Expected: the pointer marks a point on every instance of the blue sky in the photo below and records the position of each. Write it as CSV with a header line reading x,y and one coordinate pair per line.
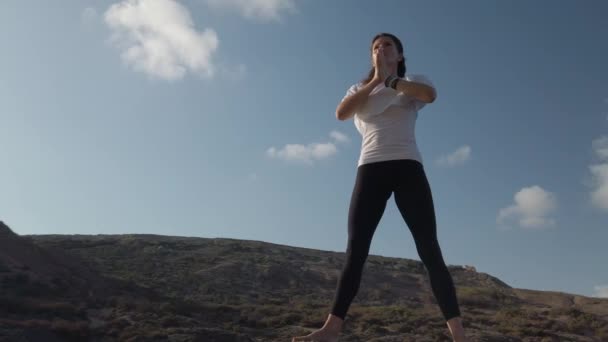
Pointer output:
x,y
216,119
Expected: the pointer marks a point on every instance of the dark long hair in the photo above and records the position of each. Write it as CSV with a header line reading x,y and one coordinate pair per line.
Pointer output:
x,y
400,67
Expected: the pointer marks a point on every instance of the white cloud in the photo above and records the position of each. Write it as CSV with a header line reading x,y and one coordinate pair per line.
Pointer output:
x,y
157,37
458,157
599,173
601,291
532,208
308,154
339,137
600,147
255,9
304,154
89,15
599,196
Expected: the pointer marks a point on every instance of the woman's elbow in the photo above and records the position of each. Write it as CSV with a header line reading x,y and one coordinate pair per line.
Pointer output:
x,y
341,114
430,96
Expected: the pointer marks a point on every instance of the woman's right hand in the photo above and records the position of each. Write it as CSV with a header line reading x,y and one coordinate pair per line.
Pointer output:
x,y
381,70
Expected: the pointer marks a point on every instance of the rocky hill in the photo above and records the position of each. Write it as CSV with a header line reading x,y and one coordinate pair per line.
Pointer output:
x,y
163,288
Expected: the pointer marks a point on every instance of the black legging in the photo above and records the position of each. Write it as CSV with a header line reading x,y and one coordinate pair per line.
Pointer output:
x,y
373,187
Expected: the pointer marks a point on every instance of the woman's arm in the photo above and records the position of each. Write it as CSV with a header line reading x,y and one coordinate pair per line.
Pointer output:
x,y
349,106
421,92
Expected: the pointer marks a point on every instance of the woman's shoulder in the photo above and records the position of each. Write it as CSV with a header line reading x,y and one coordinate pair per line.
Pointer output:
x,y
354,88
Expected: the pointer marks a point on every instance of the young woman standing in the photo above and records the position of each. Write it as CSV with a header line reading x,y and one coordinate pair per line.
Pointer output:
x,y
385,107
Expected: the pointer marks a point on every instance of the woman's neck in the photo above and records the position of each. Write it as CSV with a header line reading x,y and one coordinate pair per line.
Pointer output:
x,y
393,69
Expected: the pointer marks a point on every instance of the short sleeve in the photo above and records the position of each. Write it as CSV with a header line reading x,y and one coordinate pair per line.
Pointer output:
x,y
353,89
422,79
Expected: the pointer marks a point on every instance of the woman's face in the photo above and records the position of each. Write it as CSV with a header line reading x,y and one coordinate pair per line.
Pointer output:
x,y
390,49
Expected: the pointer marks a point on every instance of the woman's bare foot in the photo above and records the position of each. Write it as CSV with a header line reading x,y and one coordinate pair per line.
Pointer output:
x,y
328,333
456,329
321,335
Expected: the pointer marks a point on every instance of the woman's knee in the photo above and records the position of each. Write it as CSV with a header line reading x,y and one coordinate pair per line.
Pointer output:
x,y
358,248
432,257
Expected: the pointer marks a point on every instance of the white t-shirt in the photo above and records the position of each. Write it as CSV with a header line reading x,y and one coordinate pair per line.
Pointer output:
x,y
387,123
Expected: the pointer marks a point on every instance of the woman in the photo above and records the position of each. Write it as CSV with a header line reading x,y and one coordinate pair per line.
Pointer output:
x,y
385,107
